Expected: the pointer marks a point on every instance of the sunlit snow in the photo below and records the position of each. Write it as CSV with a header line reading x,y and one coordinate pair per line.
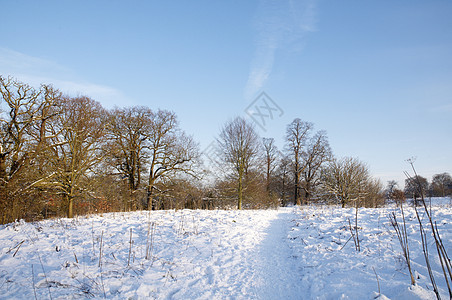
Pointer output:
x,y
289,253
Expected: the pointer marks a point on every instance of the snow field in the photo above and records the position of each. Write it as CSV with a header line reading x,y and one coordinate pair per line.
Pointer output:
x,y
290,253
333,269
195,254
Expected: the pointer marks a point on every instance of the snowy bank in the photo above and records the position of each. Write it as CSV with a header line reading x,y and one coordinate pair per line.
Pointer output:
x,y
290,253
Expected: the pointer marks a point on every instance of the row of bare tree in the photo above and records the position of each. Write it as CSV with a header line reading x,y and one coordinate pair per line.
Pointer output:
x,y
304,171
55,150
441,186
63,155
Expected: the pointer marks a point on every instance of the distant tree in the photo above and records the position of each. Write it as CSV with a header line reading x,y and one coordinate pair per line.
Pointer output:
x,y
349,182
283,179
239,147
442,184
373,194
390,188
398,195
317,153
128,146
171,152
77,140
393,193
297,134
179,193
415,187
270,158
112,191
23,137
255,194
224,193
286,179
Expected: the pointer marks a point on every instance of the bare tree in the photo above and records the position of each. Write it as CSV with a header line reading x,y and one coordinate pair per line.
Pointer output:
x,y
296,138
346,180
239,145
284,178
22,136
128,147
390,188
271,155
171,151
318,152
77,139
179,193
373,193
412,187
442,184
444,259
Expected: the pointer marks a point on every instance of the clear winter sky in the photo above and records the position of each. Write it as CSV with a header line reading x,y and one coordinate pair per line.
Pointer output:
x,y
376,75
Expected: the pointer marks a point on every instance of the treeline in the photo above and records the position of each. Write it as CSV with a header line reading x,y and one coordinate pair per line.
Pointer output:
x,y
305,171
418,186
61,156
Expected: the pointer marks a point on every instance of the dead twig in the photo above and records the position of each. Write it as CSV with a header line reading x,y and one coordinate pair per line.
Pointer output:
x,y
378,282
353,235
100,249
346,242
17,246
442,253
130,247
403,240
33,281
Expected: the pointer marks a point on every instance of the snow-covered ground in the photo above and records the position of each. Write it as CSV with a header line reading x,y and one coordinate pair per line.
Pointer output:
x,y
289,253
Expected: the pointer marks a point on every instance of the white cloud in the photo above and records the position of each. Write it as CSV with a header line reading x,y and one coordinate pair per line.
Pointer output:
x,y
36,71
13,62
260,71
280,25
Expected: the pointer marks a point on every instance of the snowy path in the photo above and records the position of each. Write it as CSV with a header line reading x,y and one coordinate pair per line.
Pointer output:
x,y
249,260
279,272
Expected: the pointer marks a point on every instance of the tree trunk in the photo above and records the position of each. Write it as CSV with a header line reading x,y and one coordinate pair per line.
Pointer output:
x,y
268,176
240,191
149,203
70,206
3,167
297,182
297,200
284,191
307,191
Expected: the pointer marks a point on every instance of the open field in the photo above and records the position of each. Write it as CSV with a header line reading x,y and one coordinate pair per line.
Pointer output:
x,y
289,253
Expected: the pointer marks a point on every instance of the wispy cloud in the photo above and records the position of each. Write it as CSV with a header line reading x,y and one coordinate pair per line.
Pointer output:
x,y
36,71
12,62
279,25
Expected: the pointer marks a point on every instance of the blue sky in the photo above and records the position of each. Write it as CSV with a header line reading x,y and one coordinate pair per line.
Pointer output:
x,y
376,75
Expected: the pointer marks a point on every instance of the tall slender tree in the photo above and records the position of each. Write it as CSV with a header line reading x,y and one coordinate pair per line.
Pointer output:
x,y
270,158
297,134
283,175
239,145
